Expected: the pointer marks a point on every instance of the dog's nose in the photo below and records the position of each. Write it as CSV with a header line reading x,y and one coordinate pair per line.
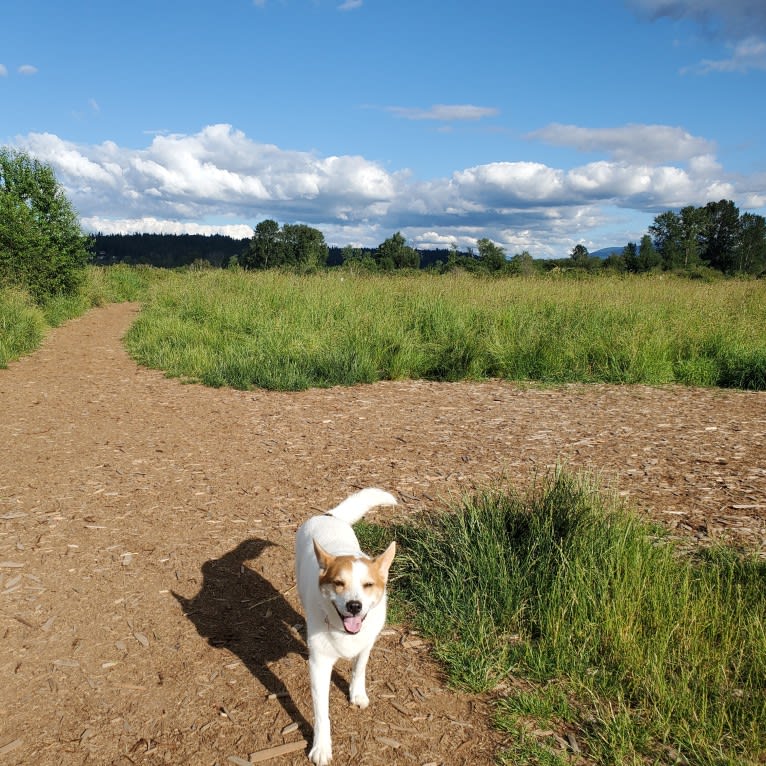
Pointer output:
x,y
354,607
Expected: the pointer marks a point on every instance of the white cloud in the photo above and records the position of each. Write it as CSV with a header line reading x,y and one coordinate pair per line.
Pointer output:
x,y
350,5
3,70
629,143
27,69
444,112
185,183
748,54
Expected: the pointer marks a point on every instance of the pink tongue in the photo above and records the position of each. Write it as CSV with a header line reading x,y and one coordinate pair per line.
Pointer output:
x,y
352,624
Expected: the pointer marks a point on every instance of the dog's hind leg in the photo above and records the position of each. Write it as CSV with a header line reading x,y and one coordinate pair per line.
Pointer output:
x,y
320,672
357,691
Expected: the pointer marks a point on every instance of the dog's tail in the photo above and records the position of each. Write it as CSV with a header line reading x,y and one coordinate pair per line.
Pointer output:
x,y
353,508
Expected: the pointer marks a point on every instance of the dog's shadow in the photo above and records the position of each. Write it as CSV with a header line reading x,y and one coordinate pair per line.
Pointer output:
x,y
240,610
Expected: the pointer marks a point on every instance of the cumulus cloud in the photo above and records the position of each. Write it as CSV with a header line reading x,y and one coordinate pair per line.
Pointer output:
x,y
27,69
3,70
350,5
444,112
219,180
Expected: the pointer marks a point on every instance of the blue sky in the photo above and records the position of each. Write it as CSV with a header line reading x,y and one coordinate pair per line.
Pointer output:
x,y
539,125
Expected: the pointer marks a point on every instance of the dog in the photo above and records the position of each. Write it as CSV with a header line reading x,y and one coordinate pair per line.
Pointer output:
x,y
343,592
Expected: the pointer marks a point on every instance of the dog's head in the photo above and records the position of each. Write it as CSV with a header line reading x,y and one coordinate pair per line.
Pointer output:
x,y
353,584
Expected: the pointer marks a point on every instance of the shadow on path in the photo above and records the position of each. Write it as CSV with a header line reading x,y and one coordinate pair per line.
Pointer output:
x,y
240,610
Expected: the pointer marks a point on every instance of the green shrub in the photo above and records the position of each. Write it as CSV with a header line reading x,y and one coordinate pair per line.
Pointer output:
x,y
42,249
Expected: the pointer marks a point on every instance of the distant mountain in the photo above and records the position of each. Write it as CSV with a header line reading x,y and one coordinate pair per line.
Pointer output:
x,y
605,252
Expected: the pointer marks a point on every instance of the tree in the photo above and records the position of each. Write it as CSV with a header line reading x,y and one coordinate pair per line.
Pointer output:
x,y
491,256
580,255
264,250
694,225
648,257
304,248
667,236
630,256
42,248
522,264
750,248
721,235
394,253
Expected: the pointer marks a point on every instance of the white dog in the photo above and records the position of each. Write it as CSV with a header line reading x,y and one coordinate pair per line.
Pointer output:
x,y
343,593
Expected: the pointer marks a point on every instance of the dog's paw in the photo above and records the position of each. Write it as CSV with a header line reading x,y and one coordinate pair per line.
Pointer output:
x,y
321,753
360,699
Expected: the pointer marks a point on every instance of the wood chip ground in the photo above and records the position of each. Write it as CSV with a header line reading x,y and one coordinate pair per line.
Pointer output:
x,y
147,607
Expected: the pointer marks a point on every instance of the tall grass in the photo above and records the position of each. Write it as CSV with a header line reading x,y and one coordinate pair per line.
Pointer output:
x,y
22,325
284,331
647,655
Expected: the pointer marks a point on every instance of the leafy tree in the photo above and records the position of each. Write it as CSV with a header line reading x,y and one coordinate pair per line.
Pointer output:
x,y
721,235
630,257
394,253
523,264
304,248
750,248
694,226
580,255
265,248
668,239
491,256
42,248
648,257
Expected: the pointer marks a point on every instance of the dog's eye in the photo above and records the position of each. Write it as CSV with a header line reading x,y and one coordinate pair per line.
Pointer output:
x,y
338,583
368,585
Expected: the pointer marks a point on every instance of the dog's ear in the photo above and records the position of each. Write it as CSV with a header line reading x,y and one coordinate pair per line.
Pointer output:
x,y
323,557
383,562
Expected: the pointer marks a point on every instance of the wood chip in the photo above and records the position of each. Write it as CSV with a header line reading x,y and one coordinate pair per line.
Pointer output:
x,y
290,728
275,752
235,759
66,663
388,742
12,745
10,564
141,638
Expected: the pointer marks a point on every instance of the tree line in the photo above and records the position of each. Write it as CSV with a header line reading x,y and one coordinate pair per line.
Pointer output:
x,y
695,240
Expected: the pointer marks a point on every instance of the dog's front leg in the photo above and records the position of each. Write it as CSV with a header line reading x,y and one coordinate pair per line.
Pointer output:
x,y
320,672
357,691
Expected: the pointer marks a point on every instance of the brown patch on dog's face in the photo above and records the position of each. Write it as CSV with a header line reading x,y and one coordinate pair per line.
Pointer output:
x,y
353,584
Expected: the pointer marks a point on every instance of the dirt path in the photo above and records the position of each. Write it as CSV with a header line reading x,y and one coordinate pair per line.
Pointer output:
x,y
147,609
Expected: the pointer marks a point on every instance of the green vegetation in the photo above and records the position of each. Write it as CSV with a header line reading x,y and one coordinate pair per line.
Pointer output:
x,y
284,331
41,247
587,621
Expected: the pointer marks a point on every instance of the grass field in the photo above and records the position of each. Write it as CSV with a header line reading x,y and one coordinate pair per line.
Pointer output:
x,y
283,331
589,625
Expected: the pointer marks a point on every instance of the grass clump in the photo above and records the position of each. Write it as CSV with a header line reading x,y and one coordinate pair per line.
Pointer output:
x,y
22,325
603,627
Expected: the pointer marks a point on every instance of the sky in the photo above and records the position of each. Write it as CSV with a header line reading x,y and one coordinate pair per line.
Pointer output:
x,y
538,125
